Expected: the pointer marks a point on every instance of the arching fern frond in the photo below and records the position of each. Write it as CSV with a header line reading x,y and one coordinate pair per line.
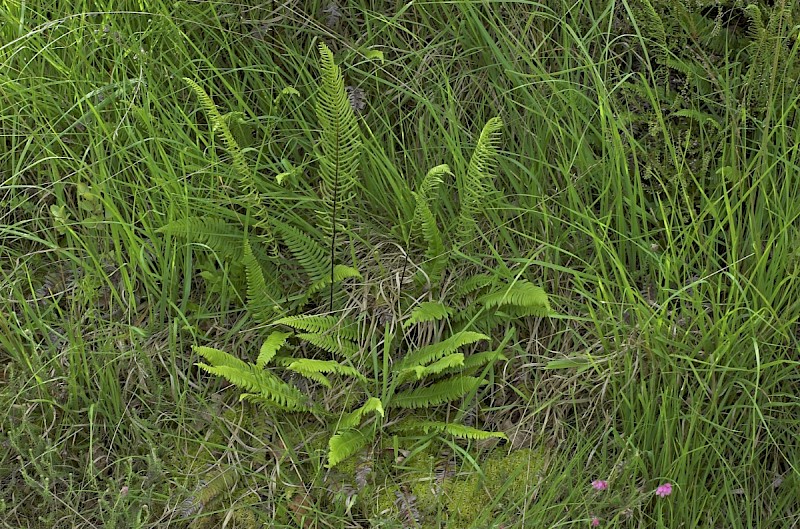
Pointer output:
x,y
322,324
270,348
260,383
456,430
340,273
474,186
438,393
434,351
428,311
353,419
218,358
219,125
308,367
223,237
309,253
331,343
527,298
345,443
451,361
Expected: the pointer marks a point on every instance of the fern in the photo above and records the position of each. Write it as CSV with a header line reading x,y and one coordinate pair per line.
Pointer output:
x,y
220,236
339,145
312,368
219,125
474,187
345,443
451,361
321,324
528,298
425,221
428,311
340,273
270,348
332,344
353,419
438,393
262,299
456,430
308,252
251,378
432,352
207,491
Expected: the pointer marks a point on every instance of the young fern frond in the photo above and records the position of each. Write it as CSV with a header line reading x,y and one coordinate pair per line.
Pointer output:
x,y
428,311
474,186
218,358
438,393
424,219
450,361
345,443
456,430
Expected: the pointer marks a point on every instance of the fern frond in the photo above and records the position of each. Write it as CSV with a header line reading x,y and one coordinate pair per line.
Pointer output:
x,y
474,361
339,145
223,237
307,367
309,253
219,125
262,299
270,348
345,443
208,491
475,282
474,187
438,393
332,344
217,358
259,382
353,419
322,324
523,295
454,360
434,351
436,255
428,311
456,430
340,273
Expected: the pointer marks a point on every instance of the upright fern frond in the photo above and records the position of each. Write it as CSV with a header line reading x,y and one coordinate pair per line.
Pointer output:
x,y
474,186
262,298
424,219
270,348
309,253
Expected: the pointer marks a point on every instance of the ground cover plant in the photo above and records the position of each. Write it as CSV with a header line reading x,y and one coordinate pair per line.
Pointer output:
x,y
386,264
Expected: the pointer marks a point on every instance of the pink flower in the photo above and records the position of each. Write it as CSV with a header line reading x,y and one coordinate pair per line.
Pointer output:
x,y
664,490
599,484
595,521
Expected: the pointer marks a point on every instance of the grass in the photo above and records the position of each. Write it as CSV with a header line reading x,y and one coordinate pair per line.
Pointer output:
x,y
651,190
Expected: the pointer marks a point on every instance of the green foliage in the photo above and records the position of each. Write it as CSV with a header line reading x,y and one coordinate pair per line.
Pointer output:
x,y
474,187
339,147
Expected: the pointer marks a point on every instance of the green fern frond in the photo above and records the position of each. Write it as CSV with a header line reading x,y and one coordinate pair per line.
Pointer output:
x,y
475,283
217,358
451,361
340,273
332,344
223,237
208,490
474,187
259,382
270,348
474,361
353,419
262,299
428,311
322,324
307,366
309,253
339,145
456,430
436,255
434,351
438,393
346,443
529,299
